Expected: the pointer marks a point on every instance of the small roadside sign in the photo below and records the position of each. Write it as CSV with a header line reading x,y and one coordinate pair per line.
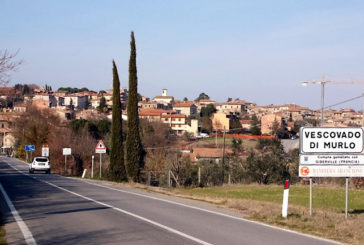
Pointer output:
x,y
45,151
29,147
100,147
66,151
333,159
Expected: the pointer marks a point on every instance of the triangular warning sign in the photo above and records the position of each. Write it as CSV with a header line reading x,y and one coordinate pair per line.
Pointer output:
x,y
100,145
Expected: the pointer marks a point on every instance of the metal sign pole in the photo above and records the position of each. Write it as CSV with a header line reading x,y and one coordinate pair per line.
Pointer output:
x,y
310,196
346,197
65,163
92,169
100,165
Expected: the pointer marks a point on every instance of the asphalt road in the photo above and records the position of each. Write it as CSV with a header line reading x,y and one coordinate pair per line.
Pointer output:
x,y
59,210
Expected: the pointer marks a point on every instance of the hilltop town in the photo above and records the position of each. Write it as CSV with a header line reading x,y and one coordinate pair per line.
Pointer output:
x,y
195,118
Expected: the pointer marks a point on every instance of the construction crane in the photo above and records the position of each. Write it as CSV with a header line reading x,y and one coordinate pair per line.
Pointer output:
x,y
323,82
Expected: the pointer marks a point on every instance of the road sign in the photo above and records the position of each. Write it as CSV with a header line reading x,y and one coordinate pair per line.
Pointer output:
x,y
29,148
66,151
331,171
331,140
353,159
100,147
45,151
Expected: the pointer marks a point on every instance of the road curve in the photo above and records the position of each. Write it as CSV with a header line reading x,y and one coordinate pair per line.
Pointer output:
x,y
60,210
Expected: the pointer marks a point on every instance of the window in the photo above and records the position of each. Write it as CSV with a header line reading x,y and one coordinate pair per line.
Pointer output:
x,y
179,119
2,125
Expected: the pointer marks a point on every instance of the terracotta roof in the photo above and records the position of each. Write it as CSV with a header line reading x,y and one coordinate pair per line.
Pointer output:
x,y
7,90
152,112
184,104
206,100
163,97
238,102
173,116
290,124
20,105
88,93
246,121
147,102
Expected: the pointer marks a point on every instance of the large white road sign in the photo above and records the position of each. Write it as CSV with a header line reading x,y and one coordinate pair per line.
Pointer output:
x,y
331,140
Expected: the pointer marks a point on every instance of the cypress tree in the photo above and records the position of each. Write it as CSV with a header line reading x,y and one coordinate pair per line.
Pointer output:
x,y
134,148
117,168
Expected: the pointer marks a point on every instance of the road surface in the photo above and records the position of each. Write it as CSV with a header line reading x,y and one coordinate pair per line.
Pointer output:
x,y
51,209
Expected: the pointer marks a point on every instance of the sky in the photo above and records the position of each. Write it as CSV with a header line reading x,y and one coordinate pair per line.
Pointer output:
x,y
258,51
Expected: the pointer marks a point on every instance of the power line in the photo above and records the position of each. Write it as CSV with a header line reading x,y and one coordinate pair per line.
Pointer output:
x,y
345,101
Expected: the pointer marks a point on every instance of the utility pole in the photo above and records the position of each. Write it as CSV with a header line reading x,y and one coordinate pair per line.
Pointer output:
x,y
322,99
322,82
223,158
363,113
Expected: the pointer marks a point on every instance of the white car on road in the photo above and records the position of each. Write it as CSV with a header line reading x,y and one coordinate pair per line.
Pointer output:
x,y
40,164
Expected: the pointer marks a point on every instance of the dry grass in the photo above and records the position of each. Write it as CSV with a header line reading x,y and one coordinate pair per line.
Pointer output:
x,y
327,224
211,142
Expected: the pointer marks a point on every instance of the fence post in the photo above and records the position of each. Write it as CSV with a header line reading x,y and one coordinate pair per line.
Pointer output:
x,y
169,178
149,177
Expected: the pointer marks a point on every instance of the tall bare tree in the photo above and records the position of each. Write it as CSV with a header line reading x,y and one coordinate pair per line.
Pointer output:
x,y
7,65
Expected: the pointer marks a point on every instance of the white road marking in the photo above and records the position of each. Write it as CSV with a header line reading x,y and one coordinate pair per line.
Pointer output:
x,y
213,212
132,214
120,210
201,209
23,227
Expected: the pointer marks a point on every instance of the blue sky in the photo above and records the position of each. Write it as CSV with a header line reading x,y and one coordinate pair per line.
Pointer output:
x,y
253,50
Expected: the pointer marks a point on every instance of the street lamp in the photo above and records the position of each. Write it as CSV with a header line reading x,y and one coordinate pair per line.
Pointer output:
x,y
322,82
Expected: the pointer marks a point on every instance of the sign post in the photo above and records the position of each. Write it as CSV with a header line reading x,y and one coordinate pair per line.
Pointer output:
x,y
100,165
331,152
346,197
100,148
30,148
66,152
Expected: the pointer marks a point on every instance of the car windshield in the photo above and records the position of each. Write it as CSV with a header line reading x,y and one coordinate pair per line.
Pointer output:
x,y
41,159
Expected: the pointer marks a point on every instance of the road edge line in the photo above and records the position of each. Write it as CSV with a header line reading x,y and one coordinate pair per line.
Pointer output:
x,y
212,212
88,181
116,209
28,237
131,214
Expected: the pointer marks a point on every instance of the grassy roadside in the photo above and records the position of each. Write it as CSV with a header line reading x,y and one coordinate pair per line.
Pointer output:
x,y
2,232
263,203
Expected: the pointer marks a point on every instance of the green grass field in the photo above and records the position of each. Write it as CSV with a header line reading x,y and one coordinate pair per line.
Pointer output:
x,y
325,198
